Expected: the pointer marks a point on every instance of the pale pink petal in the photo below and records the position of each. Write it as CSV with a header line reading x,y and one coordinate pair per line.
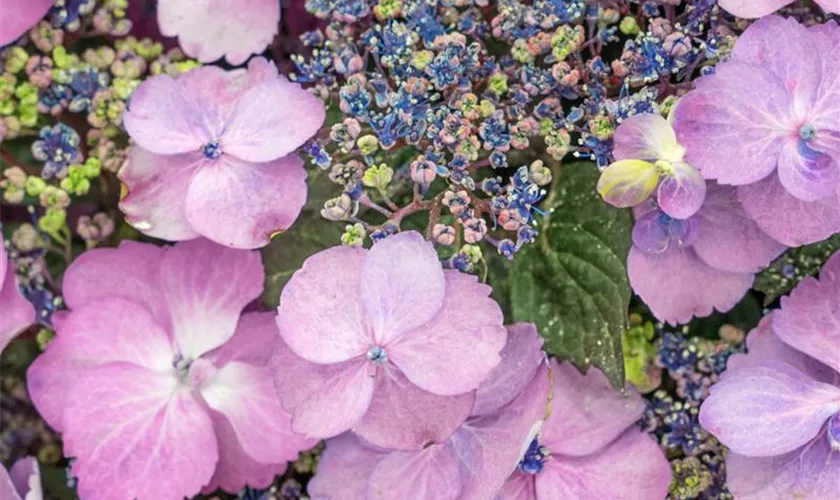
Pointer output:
x,y
160,119
631,468
519,486
752,9
587,412
156,184
20,15
128,271
404,417
246,396
135,435
214,91
728,239
324,400
521,358
830,6
7,488
787,219
416,475
271,120
206,286
808,473
344,469
681,193
666,282
236,468
241,204
17,313
321,316
402,285
768,410
808,318
454,352
807,174
252,342
646,137
26,476
210,29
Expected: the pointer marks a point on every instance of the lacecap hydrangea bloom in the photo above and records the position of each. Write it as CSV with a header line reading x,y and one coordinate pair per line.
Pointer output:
x,y
758,8
156,379
17,312
213,154
777,408
20,15
768,121
384,342
22,481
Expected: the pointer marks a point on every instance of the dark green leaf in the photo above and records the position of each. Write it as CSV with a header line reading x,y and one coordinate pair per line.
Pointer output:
x,y
573,281
789,268
54,481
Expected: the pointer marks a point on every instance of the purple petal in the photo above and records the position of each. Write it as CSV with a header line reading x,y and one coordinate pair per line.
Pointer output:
x,y
321,316
402,286
416,475
768,410
649,234
402,416
519,486
681,194
646,137
19,16
7,488
344,469
587,412
252,342
26,476
787,219
751,9
807,174
18,313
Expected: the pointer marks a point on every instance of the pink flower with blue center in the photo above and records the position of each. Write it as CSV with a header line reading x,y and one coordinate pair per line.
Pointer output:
x,y
768,121
777,408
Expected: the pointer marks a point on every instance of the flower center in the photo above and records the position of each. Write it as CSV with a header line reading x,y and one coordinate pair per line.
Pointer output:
x,y
807,132
377,355
534,459
182,366
833,433
211,150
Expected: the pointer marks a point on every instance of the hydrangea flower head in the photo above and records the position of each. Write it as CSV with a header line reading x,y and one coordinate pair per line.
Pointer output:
x,y
719,246
777,408
22,481
213,154
751,9
17,312
157,381
20,15
648,155
210,29
767,121
384,341
469,464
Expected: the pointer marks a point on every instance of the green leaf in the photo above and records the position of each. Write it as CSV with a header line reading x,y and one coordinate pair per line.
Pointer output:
x,y
792,266
54,480
573,282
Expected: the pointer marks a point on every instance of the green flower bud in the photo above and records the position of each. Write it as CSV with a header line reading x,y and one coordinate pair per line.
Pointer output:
x,y
53,220
629,26
368,144
354,235
35,185
378,176
473,252
498,83
16,58
76,182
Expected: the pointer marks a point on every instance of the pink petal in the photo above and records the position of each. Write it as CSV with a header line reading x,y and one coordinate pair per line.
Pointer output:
x,y
807,175
728,239
214,91
402,285
246,396
19,16
344,469
135,435
217,28
92,335
259,133
787,219
808,318
160,119
324,400
17,312
252,342
404,417
646,137
768,410
519,486
740,112
634,461
751,9
666,282
321,316
416,475
681,194
455,351
7,488
26,476
807,473
236,468
521,358
650,235
205,286
157,184
242,204
830,6
587,413
129,271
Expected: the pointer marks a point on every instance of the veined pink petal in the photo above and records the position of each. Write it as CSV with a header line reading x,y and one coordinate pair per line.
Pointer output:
x,y
807,174
20,15
160,119
402,285
403,416
344,469
455,351
26,477
126,424
210,29
252,342
519,486
752,9
768,410
17,312
587,413
681,193
321,316
156,184
646,137
205,286
256,132
634,461
214,91
416,475
241,204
